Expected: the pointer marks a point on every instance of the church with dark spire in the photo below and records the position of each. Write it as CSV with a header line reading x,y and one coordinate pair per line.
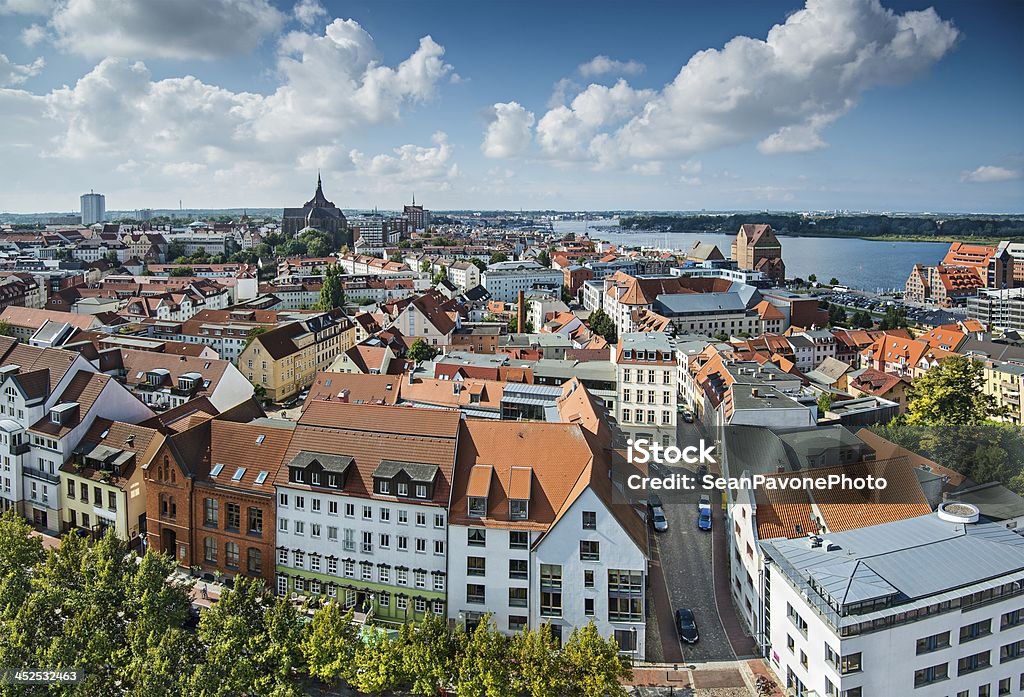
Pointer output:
x,y
319,214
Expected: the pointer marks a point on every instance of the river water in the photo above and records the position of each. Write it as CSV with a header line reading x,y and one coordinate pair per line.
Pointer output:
x,y
866,264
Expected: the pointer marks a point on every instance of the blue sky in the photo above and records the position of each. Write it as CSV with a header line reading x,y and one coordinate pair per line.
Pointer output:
x,y
846,104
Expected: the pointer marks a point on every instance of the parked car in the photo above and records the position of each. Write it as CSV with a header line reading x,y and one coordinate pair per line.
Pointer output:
x,y
704,519
658,519
653,501
686,625
688,417
704,502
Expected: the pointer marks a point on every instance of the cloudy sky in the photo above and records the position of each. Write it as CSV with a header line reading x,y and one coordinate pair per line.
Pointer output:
x,y
912,106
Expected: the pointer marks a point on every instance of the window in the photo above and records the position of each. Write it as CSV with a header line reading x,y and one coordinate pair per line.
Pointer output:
x,y
403,517
384,574
588,607
438,581
254,560
256,521
516,623
517,568
588,578
210,550
590,550
421,545
518,509
421,519
366,571
300,527
517,597
931,674
476,593
367,513
477,506
384,541
1004,687
975,630
234,521
1009,652
969,664
282,557
403,543
550,590
367,542
314,562
476,537
932,643
282,501
385,515
518,539
350,568
420,604
421,491
589,520
625,595
350,510
314,530
1010,619
111,500
300,503
383,486
332,534
315,505
796,619
626,639
419,578
210,511
299,584
439,521
402,602
476,566
384,599
332,566
850,664
299,559
231,555
332,508
438,546
403,489
790,644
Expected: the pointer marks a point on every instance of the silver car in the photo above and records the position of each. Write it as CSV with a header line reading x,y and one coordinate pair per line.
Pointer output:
x,y
658,519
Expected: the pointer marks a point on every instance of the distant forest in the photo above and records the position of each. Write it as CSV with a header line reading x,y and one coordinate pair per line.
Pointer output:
x,y
836,226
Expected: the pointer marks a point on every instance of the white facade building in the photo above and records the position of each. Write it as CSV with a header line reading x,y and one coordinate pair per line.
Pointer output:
x,y
94,208
648,390
505,279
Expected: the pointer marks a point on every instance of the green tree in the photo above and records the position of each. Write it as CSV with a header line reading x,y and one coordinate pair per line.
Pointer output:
x,y
20,553
479,263
421,351
540,670
602,325
252,334
330,646
484,669
837,315
544,259
812,278
862,320
824,402
430,651
833,281
425,266
379,664
951,393
594,665
895,318
332,294
5,328
498,257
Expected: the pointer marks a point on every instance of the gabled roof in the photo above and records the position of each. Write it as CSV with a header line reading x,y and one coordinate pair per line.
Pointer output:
x,y
83,389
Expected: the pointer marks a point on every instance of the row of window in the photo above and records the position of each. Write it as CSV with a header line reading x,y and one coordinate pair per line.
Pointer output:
x,y
298,527
233,517
652,417
652,397
254,558
970,632
666,375
329,565
298,502
302,585
97,495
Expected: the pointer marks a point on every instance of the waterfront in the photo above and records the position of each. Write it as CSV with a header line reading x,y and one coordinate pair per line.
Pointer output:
x,y
865,264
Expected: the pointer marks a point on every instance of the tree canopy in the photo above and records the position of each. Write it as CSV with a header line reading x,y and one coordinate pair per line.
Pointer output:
x,y
951,393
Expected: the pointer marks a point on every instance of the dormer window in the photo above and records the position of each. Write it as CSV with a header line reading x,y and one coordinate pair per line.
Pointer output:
x,y
384,486
518,509
298,475
403,489
55,417
421,491
627,354
477,506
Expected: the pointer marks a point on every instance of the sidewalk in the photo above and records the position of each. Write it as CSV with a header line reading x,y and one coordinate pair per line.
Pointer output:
x,y
743,645
672,652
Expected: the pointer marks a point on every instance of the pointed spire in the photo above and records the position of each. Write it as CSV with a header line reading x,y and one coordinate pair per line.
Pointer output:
x,y
414,198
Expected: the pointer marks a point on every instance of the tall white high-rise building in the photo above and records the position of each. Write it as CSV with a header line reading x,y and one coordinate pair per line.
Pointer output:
x,y
94,208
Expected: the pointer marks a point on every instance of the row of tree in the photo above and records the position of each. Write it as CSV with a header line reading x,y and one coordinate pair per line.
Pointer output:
x,y
835,226
952,421
117,617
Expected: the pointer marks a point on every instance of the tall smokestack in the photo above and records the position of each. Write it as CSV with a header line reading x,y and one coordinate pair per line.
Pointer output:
x,y
521,310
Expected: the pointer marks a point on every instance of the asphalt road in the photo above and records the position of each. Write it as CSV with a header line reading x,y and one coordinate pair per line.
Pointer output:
x,y
685,553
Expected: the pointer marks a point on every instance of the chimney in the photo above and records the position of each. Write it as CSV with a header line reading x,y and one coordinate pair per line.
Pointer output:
x,y
343,396
521,313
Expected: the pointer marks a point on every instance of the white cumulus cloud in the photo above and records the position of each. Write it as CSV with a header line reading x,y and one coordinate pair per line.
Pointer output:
x,y
308,12
603,65
990,173
509,132
32,35
180,29
26,7
410,163
780,92
14,74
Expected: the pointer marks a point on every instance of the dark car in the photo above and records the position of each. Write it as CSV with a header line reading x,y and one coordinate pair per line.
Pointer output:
x,y
686,625
704,519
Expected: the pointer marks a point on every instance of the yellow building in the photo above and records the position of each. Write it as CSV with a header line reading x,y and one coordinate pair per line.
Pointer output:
x,y
102,483
286,359
1003,381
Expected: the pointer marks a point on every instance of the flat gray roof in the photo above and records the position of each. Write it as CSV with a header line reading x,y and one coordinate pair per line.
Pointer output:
x,y
689,303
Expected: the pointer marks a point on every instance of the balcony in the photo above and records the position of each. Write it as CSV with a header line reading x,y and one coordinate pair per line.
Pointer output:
x,y
40,475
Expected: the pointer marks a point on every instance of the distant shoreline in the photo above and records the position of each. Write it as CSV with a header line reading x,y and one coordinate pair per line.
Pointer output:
x,y
938,239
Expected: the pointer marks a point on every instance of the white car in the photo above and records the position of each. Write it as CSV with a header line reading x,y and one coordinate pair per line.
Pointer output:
x,y
658,519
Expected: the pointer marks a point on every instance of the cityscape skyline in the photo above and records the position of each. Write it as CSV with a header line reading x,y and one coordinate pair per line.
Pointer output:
x,y
715,110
